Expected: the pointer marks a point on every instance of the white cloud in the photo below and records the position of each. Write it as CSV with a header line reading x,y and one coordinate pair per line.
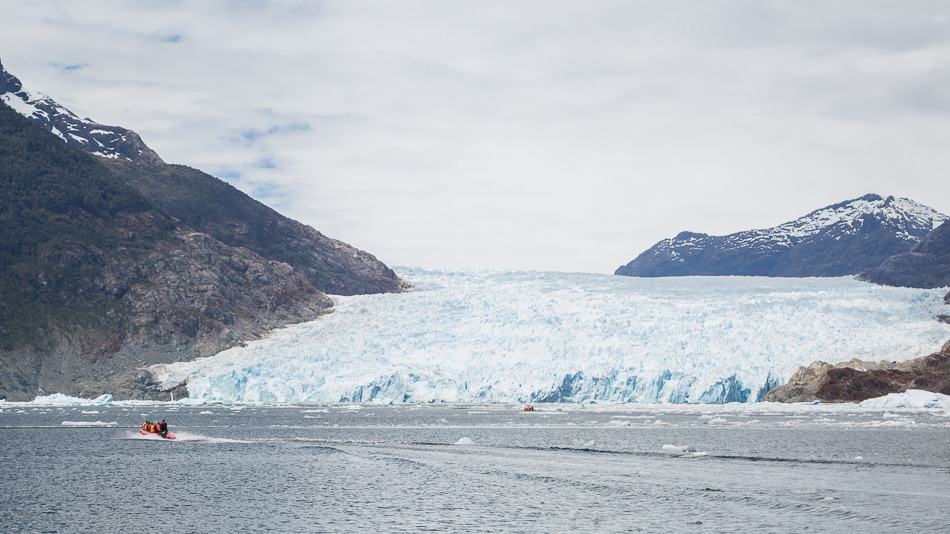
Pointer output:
x,y
539,135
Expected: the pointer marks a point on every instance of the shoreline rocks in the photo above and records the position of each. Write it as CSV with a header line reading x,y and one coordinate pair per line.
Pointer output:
x,y
857,380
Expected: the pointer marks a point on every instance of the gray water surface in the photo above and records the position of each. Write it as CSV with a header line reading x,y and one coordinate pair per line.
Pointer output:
x,y
399,469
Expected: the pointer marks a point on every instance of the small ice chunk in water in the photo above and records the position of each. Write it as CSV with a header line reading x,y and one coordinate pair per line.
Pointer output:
x,y
465,441
679,449
89,423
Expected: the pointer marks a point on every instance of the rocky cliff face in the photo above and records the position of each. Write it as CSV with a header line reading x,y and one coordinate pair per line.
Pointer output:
x,y
837,240
855,381
926,265
114,261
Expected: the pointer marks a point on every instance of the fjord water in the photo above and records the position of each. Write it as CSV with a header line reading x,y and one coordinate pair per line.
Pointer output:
x,y
538,336
476,468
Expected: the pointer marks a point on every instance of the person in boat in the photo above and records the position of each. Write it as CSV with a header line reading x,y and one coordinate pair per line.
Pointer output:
x,y
163,429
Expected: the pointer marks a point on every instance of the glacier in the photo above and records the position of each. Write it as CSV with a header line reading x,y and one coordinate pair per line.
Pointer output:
x,y
569,337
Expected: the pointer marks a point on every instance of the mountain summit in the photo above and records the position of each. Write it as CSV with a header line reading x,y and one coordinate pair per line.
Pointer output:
x,y
837,240
87,135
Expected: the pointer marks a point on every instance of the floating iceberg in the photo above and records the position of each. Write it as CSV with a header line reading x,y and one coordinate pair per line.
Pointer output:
x,y
58,399
912,398
89,424
560,337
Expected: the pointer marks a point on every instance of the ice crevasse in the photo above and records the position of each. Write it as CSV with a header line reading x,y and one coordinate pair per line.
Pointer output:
x,y
535,336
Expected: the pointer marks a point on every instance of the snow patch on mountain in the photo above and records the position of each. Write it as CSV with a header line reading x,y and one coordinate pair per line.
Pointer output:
x,y
908,218
848,217
844,238
111,142
535,337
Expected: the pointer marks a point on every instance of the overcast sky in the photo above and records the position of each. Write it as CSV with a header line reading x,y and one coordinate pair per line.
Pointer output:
x,y
514,134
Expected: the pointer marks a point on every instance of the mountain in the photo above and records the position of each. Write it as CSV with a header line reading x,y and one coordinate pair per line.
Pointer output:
x,y
97,280
841,239
85,134
110,262
206,203
926,265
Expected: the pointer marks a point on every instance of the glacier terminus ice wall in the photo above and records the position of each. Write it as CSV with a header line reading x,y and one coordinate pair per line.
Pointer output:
x,y
536,337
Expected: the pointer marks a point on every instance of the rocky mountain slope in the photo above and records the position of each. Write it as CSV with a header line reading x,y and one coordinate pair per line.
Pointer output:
x,y
210,205
841,239
96,279
110,262
206,203
926,265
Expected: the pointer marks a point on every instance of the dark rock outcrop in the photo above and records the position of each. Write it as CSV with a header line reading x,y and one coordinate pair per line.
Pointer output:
x,y
926,265
837,240
855,380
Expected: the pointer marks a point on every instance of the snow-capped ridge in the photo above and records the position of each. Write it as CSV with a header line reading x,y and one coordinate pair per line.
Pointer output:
x,y
840,239
897,210
111,142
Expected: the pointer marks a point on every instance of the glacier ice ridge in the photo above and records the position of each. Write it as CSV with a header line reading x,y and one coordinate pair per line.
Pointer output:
x,y
565,337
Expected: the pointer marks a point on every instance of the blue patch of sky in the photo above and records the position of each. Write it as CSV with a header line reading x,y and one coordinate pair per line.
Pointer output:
x,y
69,67
252,134
266,163
228,175
173,38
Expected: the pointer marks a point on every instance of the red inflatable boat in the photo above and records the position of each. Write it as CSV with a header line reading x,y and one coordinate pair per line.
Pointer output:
x,y
156,434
